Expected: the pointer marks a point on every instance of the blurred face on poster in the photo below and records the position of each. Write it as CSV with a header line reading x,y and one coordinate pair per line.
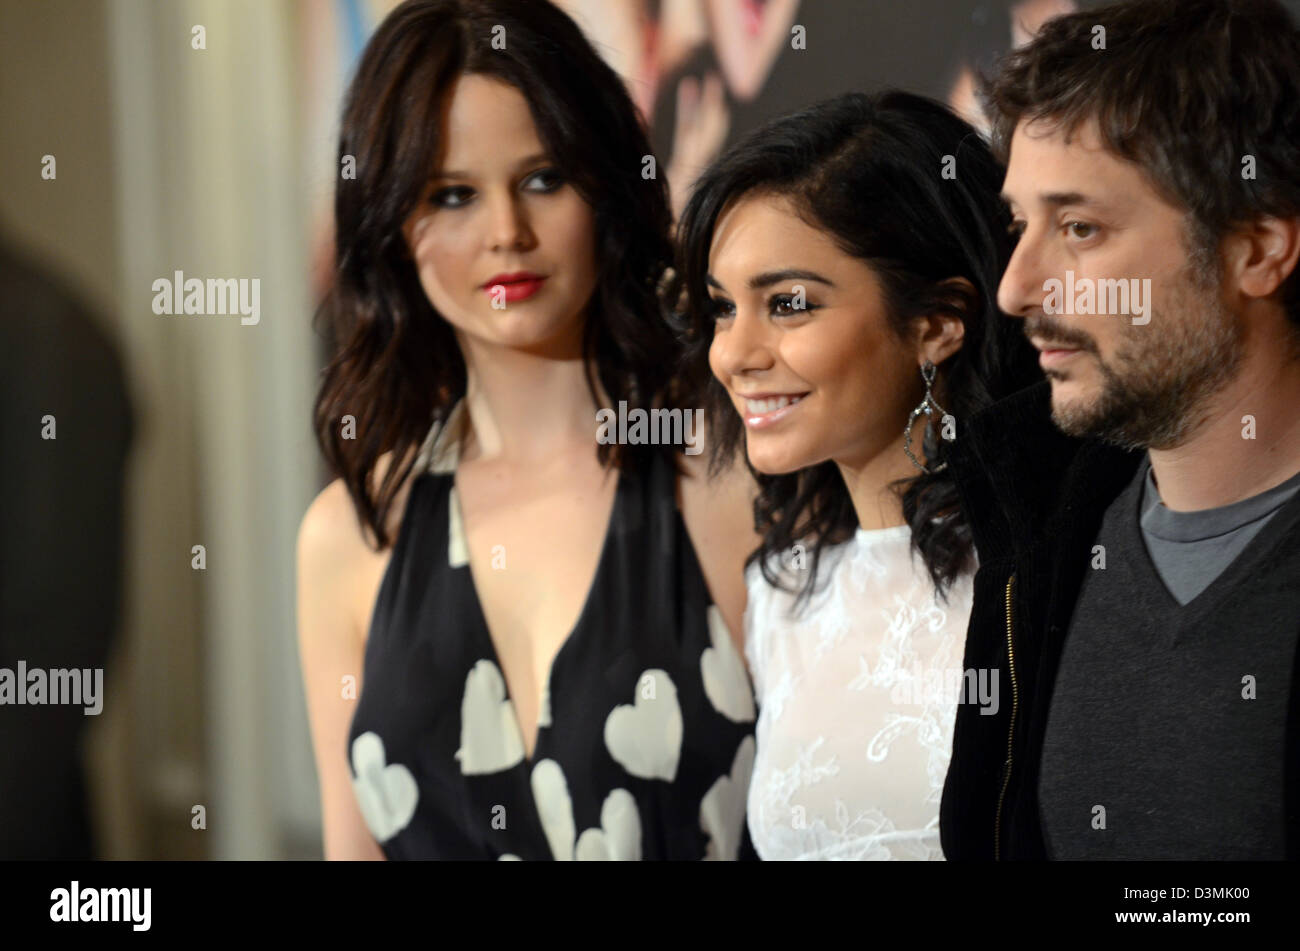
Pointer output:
x,y
747,36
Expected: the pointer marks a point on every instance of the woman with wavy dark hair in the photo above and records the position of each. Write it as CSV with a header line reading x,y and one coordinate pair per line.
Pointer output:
x,y
532,659
841,269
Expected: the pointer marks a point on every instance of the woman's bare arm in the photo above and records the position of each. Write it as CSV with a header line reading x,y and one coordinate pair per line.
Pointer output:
x,y
332,648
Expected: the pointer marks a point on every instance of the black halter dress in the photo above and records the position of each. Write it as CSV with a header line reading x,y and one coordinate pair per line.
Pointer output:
x,y
645,740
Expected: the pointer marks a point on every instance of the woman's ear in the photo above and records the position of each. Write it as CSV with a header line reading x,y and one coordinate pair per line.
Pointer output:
x,y
940,334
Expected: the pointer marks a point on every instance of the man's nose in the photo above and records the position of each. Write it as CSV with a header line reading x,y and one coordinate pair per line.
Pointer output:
x,y
1020,293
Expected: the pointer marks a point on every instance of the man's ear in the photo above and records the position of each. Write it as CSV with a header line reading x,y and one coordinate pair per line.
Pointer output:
x,y
939,335
1259,257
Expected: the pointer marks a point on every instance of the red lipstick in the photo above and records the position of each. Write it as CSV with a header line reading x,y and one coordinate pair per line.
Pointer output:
x,y
518,285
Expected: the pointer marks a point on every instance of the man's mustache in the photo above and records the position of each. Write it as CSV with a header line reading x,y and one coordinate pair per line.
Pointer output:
x,y
1047,329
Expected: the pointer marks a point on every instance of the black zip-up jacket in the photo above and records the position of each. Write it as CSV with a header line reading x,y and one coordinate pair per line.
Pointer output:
x,y
1035,499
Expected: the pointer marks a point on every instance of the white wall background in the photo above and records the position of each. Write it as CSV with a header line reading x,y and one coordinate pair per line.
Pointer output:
x,y
207,147
173,158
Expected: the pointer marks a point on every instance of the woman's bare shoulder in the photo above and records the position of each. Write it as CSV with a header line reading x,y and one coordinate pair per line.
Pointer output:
x,y
337,551
334,521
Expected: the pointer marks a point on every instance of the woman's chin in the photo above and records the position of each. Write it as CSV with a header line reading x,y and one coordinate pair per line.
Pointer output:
x,y
529,333
776,463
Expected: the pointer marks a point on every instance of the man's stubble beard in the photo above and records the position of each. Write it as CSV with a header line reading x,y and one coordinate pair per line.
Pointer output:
x,y
1156,389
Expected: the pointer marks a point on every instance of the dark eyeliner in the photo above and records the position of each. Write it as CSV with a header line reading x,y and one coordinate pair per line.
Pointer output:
x,y
788,299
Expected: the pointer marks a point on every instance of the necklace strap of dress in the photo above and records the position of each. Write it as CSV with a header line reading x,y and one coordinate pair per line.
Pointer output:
x,y
440,451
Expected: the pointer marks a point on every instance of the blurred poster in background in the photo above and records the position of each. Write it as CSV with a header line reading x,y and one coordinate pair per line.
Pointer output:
x,y
705,72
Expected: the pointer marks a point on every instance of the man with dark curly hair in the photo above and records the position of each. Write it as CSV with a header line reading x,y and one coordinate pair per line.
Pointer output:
x,y
1137,514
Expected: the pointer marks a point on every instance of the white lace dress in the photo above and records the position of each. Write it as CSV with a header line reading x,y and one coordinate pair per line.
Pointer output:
x,y
857,695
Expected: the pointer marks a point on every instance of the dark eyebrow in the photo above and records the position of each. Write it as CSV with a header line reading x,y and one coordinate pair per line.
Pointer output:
x,y
456,173
768,278
1058,199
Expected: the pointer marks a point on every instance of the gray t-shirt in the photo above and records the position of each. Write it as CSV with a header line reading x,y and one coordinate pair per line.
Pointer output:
x,y
1166,735
1191,549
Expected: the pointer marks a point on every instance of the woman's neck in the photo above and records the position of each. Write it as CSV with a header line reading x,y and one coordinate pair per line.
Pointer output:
x,y
524,407
870,485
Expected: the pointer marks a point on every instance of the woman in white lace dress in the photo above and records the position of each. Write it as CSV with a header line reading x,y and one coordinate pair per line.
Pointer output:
x,y
841,269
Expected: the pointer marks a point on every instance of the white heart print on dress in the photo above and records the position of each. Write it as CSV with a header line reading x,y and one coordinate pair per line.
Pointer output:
x,y
722,810
386,794
725,682
554,808
489,731
618,838
645,737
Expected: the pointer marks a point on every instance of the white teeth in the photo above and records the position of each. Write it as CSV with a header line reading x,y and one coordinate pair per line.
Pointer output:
x,y
771,405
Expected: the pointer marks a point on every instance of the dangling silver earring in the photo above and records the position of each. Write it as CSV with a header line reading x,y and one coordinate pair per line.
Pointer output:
x,y
929,407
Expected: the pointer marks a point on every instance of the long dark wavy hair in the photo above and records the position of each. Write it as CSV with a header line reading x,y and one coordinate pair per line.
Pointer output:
x,y
396,367
869,171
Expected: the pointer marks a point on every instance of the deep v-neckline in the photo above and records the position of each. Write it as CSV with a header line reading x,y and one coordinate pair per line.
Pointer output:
x,y
489,648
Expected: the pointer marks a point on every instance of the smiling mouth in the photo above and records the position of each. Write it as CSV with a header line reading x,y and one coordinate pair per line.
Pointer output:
x,y
771,404
759,413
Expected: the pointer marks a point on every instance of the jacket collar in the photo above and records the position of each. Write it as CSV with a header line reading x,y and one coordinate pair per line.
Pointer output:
x,y
1017,472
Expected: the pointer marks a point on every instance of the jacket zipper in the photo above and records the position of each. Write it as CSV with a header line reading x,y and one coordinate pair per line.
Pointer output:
x,y
1011,732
